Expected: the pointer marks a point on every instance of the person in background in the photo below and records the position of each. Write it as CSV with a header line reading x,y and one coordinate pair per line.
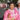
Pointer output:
x,y
0,4
11,14
19,8
4,5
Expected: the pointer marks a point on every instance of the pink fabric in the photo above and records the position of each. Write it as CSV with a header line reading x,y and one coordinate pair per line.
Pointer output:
x,y
19,17
11,13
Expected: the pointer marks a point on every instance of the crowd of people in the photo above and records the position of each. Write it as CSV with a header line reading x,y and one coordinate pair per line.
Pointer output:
x,y
13,13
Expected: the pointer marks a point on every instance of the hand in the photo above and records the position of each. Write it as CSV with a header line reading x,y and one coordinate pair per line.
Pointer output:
x,y
8,15
15,19
12,19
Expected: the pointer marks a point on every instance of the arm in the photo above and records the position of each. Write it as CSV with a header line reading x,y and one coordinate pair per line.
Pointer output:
x,y
5,15
16,11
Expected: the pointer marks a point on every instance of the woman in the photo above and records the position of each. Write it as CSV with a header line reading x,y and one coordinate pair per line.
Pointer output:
x,y
11,14
19,9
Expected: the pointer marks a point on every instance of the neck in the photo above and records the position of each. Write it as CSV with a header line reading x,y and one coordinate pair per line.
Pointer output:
x,y
11,9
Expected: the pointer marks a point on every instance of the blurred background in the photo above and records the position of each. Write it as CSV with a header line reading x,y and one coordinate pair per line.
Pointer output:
x,y
4,5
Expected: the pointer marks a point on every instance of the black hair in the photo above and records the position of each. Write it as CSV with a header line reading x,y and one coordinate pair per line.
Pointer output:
x,y
11,3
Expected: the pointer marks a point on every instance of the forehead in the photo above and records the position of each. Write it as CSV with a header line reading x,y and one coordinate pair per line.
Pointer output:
x,y
11,4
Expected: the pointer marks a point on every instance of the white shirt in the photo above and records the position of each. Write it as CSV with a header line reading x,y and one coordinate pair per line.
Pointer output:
x,y
19,11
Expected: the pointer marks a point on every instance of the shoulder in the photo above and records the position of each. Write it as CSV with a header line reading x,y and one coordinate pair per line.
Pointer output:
x,y
7,11
16,8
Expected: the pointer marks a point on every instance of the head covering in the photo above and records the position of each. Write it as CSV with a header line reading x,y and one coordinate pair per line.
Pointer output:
x,y
18,2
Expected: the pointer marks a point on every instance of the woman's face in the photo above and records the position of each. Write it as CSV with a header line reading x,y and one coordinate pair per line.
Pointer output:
x,y
19,4
11,6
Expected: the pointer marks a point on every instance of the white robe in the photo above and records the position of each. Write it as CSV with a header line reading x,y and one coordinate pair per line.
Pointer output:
x,y
19,11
